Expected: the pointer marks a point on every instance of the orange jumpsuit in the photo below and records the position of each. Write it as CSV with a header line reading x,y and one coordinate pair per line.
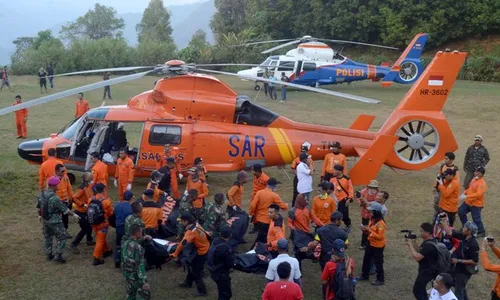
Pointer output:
x,y
194,235
332,159
449,193
151,214
322,208
235,194
203,174
365,214
174,185
154,186
259,183
376,237
261,202
201,187
101,230
21,115
81,198
275,233
82,106
64,189
124,174
100,173
300,220
339,193
47,170
488,266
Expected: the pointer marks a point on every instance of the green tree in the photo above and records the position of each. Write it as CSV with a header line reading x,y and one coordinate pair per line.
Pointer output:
x,y
229,17
99,23
151,52
198,49
155,23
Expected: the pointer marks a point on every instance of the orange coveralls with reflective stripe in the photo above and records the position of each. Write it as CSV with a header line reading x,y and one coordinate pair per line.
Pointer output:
x,y
235,194
475,192
195,236
322,209
47,170
275,233
377,234
488,266
124,174
82,106
101,230
332,159
201,187
21,115
449,192
261,202
339,192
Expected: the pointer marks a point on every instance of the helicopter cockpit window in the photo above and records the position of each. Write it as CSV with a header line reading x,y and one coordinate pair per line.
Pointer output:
x,y
248,113
286,66
69,130
338,57
308,66
266,62
163,134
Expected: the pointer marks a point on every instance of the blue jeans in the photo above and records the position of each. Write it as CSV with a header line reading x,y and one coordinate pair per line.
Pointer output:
x,y
51,81
283,93
120,232
464,209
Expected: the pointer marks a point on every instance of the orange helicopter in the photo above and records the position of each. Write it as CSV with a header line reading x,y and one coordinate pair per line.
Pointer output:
x,y
200,116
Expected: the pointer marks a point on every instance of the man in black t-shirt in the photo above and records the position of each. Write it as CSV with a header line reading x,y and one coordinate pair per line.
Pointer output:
x,y
467,257
427,258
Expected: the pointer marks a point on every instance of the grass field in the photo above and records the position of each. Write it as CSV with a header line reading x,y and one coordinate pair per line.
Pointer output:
x,y
472,108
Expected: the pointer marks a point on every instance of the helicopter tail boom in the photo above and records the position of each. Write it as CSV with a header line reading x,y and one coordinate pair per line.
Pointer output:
x,y
408,67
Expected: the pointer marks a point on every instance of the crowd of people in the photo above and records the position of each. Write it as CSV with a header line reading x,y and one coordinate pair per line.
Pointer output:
x,y
319,225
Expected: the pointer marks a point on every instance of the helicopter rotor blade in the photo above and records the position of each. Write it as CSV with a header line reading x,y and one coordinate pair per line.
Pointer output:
x,y
262,42
281,46
120,69
358,43
307,88
75,91
238,65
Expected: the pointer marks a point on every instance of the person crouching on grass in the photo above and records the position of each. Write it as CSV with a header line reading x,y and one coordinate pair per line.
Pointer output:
x,y
375,248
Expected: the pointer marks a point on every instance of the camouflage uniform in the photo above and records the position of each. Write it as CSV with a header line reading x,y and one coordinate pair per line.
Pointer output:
x,y
129,221
474,158
134,270
185,206
51,208
213,218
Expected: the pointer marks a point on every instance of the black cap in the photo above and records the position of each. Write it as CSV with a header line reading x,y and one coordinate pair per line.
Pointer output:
x,y
170,159
449,172
257,168
273,182
339,167
446,279
336,215
198,160
149,192
335,145
99,188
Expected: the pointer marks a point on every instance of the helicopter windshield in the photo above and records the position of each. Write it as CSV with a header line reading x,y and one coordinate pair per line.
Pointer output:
x,y
267,62
69,130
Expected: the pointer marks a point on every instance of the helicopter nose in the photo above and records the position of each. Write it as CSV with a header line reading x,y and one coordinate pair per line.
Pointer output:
x,y
31,150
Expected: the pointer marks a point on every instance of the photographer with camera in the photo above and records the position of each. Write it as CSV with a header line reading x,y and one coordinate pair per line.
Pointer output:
x,y
441,236
467,256
449,190
488,266
449,158
426,256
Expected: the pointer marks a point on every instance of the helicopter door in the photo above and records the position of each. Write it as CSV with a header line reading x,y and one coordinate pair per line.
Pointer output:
x,y
96,143
79,132
156,136
298,69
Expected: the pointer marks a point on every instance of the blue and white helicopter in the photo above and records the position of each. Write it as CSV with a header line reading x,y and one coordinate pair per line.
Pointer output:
x,y
314,63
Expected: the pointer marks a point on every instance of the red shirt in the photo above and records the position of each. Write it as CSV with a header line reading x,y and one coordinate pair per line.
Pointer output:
x,y
329,273
280,290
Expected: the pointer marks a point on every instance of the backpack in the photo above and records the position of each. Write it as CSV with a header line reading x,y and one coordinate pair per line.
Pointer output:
x,y
211,258
95,212
342,285
443,257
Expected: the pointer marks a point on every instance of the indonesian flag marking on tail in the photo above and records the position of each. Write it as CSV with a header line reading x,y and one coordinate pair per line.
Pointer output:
x,y
435,80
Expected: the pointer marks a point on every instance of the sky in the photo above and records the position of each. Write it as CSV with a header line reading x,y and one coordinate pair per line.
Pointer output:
x,y
122,6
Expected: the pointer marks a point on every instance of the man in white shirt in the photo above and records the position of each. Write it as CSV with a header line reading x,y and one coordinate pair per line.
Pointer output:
x,y
272,273
304,176
442,288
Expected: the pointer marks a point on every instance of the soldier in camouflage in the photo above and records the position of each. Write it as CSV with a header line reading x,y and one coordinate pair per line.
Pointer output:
x,y
50,209
135,219
186,206
476,156
213,217
134,266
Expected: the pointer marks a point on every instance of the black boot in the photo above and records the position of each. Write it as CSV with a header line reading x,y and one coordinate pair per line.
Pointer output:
x,y
50,257
58,258
97,262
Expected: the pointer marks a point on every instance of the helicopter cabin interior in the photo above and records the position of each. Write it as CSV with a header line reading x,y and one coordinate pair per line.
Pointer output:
x,y
288,65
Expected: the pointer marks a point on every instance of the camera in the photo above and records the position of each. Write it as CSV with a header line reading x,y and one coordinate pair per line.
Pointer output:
x,y
490,239
441,217
440,176
358,194
409,234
